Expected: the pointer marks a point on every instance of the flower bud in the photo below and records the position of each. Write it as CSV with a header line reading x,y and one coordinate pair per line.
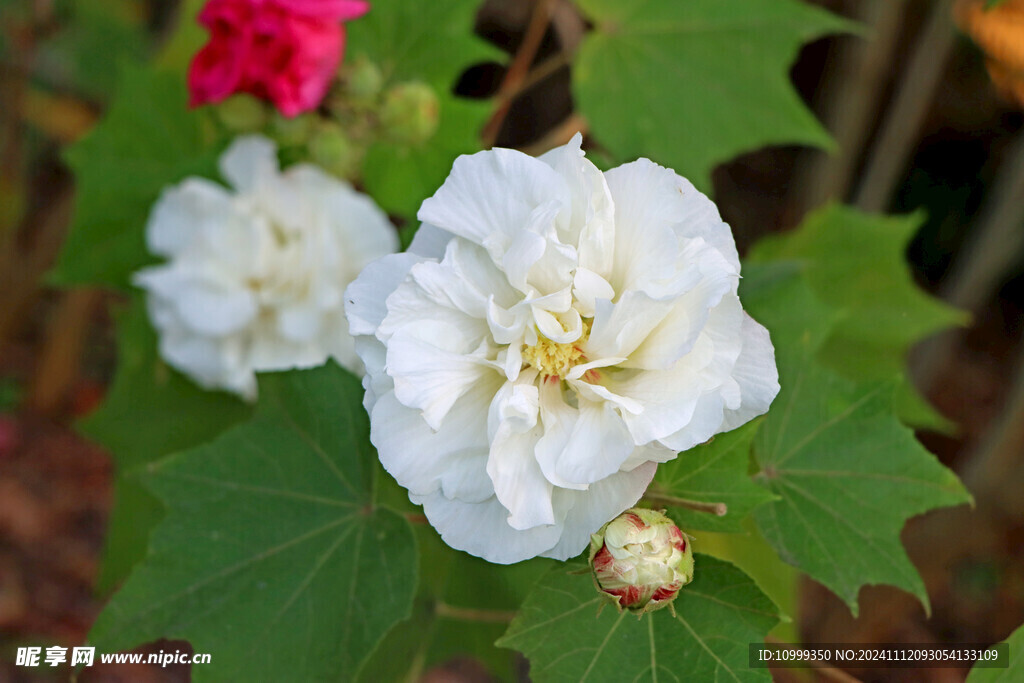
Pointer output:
x,y
331,148
292,130
410,113
242,113
640,560
363,81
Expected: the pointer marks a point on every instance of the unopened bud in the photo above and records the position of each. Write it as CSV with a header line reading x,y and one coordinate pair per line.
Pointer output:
x,y
292,131
363,80
410,113
331,149
242,113
640,560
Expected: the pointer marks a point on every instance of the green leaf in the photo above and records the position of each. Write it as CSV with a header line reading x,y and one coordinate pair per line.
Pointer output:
x,y
693,84
567,636
433,47
147,141
715,472
95,39
848,473
855,263
463,606
272,556
409,45
1013,672
149,412
186,40
751,553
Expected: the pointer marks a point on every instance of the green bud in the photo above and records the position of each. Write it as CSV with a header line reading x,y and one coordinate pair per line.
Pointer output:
x,y
640,560
292,131
363,80
331,148
410,113
242,113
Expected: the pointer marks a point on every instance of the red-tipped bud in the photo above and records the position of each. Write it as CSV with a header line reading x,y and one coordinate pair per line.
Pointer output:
x,y
641,559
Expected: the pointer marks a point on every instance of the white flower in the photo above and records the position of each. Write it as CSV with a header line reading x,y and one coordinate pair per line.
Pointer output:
x,y
553,333
255,277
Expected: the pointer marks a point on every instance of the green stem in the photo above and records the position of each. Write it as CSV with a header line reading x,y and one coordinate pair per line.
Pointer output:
x,y
488,616
719,509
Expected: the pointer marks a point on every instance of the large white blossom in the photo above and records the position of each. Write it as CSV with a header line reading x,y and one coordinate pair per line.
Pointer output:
x,y
552,334
255,276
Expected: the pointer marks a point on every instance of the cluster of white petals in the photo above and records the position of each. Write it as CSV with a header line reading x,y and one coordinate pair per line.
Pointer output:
x,y
552,334
254,278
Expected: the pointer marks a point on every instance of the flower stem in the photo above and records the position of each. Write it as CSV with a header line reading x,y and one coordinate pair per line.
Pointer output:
x,y
520,67
719,509
489,616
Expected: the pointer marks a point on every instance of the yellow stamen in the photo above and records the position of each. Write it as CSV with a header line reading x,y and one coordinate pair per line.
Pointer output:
x,y
552,359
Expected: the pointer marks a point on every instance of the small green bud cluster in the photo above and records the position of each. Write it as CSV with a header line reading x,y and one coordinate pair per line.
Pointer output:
x,y
360,110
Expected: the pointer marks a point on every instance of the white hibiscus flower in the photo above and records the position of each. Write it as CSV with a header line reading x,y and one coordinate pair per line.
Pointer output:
x,y
552,334
255,277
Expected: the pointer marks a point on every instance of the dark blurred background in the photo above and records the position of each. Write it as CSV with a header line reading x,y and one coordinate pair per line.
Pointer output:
x,y
927,116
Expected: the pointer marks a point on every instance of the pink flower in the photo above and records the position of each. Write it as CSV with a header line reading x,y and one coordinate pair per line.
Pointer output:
x,y
285,51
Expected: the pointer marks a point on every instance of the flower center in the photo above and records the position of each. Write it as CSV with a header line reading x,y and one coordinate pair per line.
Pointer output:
x,y
552,359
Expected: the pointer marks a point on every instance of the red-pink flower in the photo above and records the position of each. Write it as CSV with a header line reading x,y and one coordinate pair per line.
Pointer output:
x,y
285,51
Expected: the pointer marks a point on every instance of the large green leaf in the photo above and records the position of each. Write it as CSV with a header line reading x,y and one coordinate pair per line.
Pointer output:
x,y
715,472
1013,672
848,473
567,636
95,38
149,412
464,605
410,44
272,556
692,84
855,263
433,47
148,140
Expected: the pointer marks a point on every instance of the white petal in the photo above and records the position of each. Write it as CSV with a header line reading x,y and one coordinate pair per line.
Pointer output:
x,y
430,241
431,368
558,420
705,422
589,510
518,481
645,192
376,382
410,305
592,226
465,280
215,311
587,288
365,297
652,452
677,331
186,211
452,460
491,195
481,529
299,323
756,373
564,328
599,444
620,327
249,162
668,397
